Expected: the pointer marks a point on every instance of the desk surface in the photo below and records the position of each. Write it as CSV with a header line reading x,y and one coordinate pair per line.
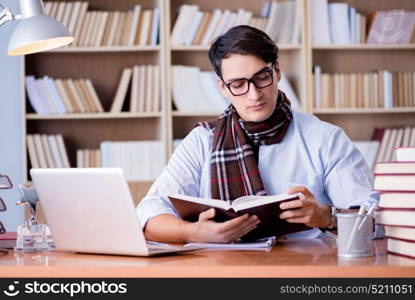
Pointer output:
x,y
289,258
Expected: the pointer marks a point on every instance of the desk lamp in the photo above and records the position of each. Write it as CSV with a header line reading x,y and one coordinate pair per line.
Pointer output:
x,y
36,31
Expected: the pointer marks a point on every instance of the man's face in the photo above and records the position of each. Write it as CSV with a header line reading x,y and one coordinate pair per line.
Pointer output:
x,y
258,103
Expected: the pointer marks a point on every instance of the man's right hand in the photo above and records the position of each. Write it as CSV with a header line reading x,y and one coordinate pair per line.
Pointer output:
x,y
207,230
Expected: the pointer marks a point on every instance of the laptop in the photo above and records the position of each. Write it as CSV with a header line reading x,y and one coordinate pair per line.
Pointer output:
x,y
91,210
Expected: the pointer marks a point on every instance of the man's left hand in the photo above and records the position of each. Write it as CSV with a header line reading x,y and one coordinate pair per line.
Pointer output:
x,y
305,210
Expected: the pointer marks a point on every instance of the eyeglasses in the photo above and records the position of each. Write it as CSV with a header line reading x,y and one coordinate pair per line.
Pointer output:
x,y
5,183
261,79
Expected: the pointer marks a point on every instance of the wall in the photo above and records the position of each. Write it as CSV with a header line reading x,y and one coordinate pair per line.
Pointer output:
x,y
11,122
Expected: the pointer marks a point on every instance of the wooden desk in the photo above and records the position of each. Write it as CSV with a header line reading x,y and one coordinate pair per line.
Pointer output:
x,y
290,258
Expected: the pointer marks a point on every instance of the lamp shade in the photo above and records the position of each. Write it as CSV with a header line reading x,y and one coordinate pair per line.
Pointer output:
x,y
36,31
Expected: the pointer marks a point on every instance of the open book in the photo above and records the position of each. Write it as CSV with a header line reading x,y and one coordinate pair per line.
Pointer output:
x,y
258,245
267,208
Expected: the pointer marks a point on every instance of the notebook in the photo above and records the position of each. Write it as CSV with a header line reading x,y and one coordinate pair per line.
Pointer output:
x,y
91,210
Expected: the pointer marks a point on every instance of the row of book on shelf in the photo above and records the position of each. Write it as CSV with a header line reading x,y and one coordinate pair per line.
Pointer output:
x,y
61,96
198,91
381,89
137,27
384,140
396,212
280,20
140,160
341,24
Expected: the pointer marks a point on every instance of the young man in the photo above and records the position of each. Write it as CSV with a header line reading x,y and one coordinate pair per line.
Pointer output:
x,y
257,146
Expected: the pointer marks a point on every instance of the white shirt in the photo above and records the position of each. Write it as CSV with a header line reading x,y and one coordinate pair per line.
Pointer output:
x,y
313,153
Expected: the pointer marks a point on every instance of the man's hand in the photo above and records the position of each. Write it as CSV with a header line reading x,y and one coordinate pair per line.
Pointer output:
x,y
206,230
305,210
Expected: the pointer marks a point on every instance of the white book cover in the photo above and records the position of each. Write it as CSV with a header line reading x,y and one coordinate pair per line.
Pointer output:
x,y
352,25
387,89
197,19
83,30
80,158
197,96
390,145
156,155
221,24
275,20
383,145
145,27
76,97
90,28
406,136
405,153
48,153
286,87
84,96
80,22
230,22
207,37
121,92
46,95
105,154
142,88
286,32
47,8
398,142
34,97
239,16
339,23
67,14
53,144
55,95
53,9
134,89
266,7
103,18
155,26
33,156
247,18
134,24
94,95
189,16
74,16
295,37
113,29
62,151
40,151
156,88
320,31
179,27
149,88
60,12
64,96
317,86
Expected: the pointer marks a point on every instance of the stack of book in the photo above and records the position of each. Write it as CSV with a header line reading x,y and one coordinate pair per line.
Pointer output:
x,y
396,183
279,20
62,96
137,27
47,151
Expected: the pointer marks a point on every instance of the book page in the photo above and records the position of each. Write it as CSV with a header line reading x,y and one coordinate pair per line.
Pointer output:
x,y
209,202
265,244
253,201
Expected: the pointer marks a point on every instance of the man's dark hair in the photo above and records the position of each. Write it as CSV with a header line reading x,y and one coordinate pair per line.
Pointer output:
x,y
242,39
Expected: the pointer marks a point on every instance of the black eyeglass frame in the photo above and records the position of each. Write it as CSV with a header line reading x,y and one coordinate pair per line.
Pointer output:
x,y
269,69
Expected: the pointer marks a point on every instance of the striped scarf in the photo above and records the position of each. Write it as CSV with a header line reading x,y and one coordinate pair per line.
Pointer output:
x,y
234,163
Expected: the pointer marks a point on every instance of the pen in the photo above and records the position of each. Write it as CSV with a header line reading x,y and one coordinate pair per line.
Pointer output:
x,y
359,217
369,213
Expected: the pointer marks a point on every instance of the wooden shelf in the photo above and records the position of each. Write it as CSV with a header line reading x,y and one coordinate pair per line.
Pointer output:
x,y
363,110
365,47
105,49
93,116
195,114
206,48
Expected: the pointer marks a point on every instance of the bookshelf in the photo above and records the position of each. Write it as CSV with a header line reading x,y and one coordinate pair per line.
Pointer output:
x,y
359,123
103,65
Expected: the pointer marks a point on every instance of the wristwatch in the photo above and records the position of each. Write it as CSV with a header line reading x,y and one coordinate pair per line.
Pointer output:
x,y
333,220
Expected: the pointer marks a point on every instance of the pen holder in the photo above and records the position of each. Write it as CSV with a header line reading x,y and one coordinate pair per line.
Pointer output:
x,y
31,237
351,241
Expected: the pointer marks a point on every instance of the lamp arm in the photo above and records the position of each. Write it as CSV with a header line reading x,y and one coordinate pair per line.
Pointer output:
x,y
7,15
